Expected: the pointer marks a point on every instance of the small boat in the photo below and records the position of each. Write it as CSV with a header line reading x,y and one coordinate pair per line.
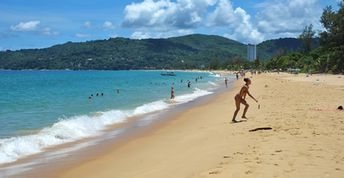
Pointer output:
x,y
168,74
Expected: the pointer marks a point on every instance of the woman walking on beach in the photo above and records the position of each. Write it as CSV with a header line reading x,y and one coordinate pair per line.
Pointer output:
x,y
240,98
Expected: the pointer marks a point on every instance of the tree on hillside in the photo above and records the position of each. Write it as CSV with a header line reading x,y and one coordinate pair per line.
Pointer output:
x,y
307,36
332,39
257,63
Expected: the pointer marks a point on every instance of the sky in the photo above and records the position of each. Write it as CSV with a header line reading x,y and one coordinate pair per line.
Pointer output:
x,y
42,23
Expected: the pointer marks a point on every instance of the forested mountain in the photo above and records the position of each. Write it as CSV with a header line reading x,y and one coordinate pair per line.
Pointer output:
x,y
191,51
282,46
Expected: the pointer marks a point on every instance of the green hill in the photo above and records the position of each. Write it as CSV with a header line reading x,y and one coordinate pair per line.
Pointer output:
x,y
271,48
191,51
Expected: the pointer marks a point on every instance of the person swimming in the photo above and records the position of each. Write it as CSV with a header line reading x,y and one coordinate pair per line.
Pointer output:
x,y
240,98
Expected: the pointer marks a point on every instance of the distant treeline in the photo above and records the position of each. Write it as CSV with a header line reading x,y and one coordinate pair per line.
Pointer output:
x,y
186,52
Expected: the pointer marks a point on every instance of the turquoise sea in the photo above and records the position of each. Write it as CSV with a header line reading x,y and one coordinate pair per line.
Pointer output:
x,y
39,109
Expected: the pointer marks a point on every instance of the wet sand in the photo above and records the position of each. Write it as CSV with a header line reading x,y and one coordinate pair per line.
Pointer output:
x,y
306,138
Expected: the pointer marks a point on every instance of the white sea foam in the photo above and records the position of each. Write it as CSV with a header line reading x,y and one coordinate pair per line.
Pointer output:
x,y
78,127
66,130
189,97
150,107
215,75
213,84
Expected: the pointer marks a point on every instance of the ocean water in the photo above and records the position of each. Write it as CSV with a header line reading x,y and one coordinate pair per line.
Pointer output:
x,y
39,109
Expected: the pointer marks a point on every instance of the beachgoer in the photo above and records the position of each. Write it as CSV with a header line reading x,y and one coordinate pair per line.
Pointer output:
x,y
97,94
237,75
117,91
240,98
102,94
89,97
226,82
172,93
196,80
189,84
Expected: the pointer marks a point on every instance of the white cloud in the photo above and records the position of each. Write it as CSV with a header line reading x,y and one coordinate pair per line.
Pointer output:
x,y
155,18
35,27
162,14
87,24
26,26
144,34
274,18
108,25
81,35
113,35
237,20
140,35
49,32
287,18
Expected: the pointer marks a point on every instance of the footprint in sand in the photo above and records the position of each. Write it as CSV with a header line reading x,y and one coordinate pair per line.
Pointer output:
x,y
248,172
238,153
290,170
224,163
215,172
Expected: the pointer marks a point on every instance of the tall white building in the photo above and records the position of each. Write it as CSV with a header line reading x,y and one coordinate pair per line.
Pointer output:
x,y
251,52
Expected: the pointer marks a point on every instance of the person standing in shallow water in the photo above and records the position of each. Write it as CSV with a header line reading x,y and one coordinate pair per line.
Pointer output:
x,y
172,93
226,82
240,99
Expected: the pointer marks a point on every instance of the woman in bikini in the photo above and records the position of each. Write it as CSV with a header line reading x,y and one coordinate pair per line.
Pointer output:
x,y
240,98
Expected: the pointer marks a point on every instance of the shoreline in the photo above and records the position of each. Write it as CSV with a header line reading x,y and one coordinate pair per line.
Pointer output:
x,y
201,142
152,105
132,128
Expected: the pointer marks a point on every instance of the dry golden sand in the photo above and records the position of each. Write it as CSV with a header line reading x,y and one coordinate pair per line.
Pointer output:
x,y
307,139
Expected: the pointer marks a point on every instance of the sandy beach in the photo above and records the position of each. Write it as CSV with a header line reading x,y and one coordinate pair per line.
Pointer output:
x,y
306,140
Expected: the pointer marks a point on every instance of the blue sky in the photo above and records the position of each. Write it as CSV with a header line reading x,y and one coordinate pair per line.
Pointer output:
x,y
43,23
